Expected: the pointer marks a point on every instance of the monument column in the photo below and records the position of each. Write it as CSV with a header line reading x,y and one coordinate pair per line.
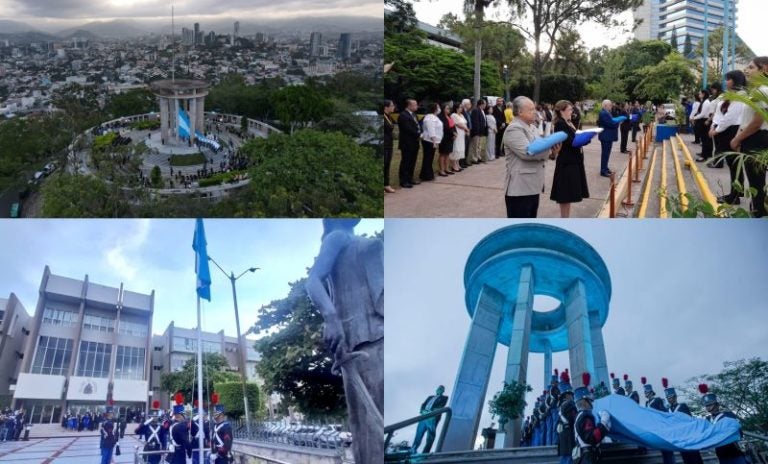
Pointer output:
x,y
192,118
598,352
177,103
579,332
201,114
163,119
468,395
519,343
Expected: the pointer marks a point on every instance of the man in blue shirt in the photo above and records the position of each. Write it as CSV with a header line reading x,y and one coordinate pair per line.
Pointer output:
x,y
609,135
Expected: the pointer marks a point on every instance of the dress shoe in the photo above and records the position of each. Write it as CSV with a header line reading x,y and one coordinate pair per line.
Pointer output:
x,y
605,174
731,200
699,159
407,186
714,165
416,182
442,174
450,173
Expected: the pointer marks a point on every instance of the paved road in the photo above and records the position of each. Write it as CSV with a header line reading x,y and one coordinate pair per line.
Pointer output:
x,y
65,450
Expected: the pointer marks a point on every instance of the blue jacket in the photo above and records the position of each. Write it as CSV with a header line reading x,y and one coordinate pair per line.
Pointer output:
x,y
610,132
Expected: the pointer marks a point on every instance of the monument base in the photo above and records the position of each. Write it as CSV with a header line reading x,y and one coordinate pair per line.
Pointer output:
x,y
170,147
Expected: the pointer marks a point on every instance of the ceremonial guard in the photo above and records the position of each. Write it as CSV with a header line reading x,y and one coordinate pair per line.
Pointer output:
x,y
630,392
543,419
566,418
617,385
179,448
537,423
155,435
195,431
552,408
651,400
689,457
221,442
726,454
108,435
588,432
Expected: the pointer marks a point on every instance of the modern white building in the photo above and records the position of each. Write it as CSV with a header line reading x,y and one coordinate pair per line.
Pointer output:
x,y
88,342
14,334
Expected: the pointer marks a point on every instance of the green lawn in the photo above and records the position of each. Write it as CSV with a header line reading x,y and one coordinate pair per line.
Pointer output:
x,y
187,160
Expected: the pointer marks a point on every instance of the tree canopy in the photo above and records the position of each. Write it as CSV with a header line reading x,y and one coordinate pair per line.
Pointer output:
x,y
215,371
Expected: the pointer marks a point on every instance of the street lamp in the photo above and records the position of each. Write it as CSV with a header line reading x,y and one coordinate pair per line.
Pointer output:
x,y
506,82
242,361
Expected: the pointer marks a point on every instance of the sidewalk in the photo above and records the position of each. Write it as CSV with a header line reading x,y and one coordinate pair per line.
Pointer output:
x,y
63,450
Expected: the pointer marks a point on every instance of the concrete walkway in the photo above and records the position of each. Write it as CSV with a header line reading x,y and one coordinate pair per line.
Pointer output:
x,y
64,450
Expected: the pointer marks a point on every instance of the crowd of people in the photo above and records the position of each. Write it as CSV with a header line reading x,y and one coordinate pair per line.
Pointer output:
x,y
464,134
11,424
563,417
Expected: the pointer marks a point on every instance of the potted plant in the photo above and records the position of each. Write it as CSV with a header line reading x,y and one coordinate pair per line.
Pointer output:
x,y
509,403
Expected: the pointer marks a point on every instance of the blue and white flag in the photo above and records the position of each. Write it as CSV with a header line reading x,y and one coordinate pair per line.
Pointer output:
x,y
183,123
201,262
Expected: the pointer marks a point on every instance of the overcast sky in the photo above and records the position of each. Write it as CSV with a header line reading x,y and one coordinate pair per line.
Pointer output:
x,y
749,26
67,13
157,254
685,299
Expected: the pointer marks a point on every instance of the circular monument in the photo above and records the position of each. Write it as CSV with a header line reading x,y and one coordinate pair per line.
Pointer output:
x,y
182,109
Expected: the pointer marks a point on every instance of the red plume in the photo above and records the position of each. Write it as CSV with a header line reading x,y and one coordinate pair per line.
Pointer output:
x,y
613,375
585,378
179,398
155,404
556,374
111,401
703,388
664,382
626,377
194,403
643,380
565,378
215,398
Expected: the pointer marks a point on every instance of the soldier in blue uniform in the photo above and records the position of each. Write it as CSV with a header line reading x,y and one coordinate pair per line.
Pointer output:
x,y
566,417
726,454
631,393
689,457
552,408
179,447
195,430
587,431
651,400
617,385
536,439
221,440
108,435
154,434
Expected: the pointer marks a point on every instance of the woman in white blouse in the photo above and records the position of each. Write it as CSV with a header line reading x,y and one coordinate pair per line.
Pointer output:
x,y
700,123
490,147
461,131
725,124
431,135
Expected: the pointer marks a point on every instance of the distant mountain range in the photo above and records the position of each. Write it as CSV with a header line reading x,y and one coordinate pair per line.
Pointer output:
x,y
122,28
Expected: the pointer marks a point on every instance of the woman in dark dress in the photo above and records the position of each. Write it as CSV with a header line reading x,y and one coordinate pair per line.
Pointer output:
x,y
569,184
388,108
446,144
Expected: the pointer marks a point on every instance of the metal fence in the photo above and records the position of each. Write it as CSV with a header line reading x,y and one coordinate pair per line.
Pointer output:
x,y
319,434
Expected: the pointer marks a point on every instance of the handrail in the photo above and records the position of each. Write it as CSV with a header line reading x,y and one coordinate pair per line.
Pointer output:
x,y
756,435
663,186
701,182
391,429
647,189
680,180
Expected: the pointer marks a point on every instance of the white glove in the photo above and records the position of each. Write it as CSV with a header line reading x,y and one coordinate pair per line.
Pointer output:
x,y
213,457
605,419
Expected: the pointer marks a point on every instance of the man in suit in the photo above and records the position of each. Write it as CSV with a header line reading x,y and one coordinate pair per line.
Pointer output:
x,y
478,132
410,133
501,124
609,135
525,173
436,401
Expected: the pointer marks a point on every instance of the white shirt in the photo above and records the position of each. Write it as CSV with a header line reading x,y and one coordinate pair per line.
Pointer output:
x,y
460,120
706,109
433,129
748,113
731,118
491,121
694,108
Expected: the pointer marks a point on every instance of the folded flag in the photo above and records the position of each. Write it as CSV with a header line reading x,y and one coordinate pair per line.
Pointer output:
x,y
545,143
584,137
634,117
619,119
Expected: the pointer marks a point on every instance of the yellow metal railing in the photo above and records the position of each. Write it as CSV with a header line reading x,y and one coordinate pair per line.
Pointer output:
x,y
680,179
698,177
647,189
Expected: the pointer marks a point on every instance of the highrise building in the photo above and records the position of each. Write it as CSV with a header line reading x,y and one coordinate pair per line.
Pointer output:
x,y
662,18
259,37
187,36
198,35
314,44
14,333
344,50
237,29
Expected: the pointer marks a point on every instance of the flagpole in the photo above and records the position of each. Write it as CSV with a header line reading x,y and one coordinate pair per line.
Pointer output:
x,y
201,430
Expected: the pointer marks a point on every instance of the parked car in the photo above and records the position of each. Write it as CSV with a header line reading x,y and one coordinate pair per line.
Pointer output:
x,y
49,168
16,210
669,109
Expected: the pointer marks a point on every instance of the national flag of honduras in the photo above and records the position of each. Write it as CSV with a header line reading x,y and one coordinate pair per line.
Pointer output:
x,y
201,262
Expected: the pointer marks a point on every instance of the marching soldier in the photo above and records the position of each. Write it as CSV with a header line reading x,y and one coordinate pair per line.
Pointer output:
x,y
524,434
726,454
587,432
179,448
617,385
552,408
543,417
566,418
108,435
630,392
195,430
221,441
155,435
651,400
689,457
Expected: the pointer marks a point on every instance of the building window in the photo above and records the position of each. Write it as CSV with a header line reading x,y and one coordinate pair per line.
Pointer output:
x,y
136,329
211,347
60,317
177,362
98,323
184,344
93,360
2,316
129,363
52,356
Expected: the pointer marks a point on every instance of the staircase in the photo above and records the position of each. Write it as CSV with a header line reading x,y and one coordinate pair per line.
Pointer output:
x,y
612,453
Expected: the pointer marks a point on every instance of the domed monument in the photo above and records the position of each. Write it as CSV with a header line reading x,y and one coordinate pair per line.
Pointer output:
x,y
182,109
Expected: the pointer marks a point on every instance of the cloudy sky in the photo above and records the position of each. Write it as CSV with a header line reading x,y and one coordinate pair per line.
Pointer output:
x,y
685,299
157,254
66,13
748,23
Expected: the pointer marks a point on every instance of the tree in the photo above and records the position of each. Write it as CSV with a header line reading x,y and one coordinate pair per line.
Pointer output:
x,y
715,51
76,196
215,371
688,46
231,397
295,361
673,39
549,17
156,177
138,101
570,55
509,403
310,174
477,9
666,80
298,105
611,85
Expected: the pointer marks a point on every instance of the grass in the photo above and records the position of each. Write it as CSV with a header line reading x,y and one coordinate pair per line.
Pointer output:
x,y
188,160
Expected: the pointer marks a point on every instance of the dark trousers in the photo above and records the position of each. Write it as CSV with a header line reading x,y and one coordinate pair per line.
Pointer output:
x,y
756,173
691,457
428,155
387,163
526,206
706,140
407,165
668,457
624,138
635,128
605,153
499,136
723,145
429,427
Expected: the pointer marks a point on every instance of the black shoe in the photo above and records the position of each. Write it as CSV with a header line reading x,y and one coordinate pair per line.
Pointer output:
x,y
714,165
442,174
605,174
731,200
699,159
696,142
416,182
407,186
462,164
481,161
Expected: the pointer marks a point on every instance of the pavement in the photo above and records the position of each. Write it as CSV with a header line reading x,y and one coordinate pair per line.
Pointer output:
x,y
63,450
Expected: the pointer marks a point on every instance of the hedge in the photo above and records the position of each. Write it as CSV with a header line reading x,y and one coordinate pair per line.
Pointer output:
x,y
231,397
188,160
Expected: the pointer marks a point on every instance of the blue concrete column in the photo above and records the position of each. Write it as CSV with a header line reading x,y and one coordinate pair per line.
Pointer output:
x,y
598,352
547,365
519,344
468,395
581,358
